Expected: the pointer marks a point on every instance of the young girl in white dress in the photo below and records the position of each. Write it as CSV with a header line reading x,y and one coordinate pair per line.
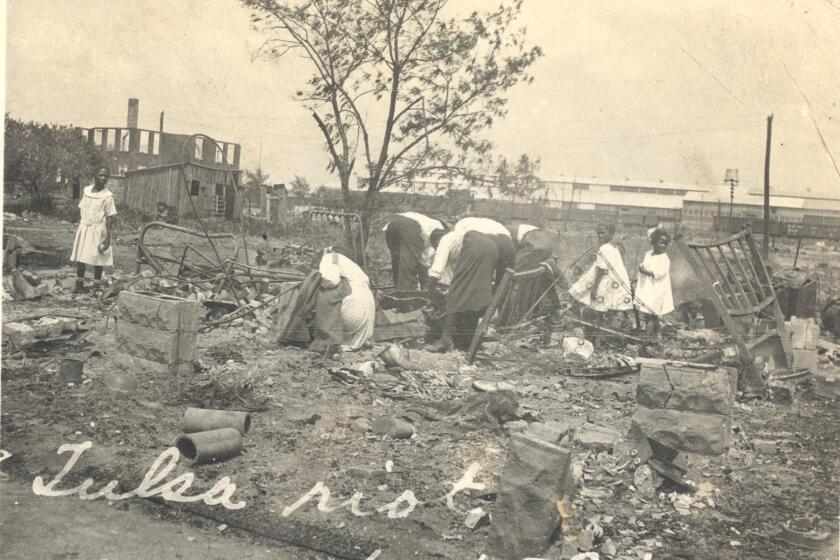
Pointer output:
x,y
653,292
92,245
605,287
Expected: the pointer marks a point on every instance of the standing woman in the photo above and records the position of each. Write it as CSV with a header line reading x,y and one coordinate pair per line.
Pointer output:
x,y
605,287
653,292
92,245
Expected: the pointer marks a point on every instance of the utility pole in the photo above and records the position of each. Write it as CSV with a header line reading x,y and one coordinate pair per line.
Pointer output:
x,y
766,247
160,139
731,177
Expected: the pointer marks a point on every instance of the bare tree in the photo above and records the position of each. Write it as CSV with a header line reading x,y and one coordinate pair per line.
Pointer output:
x,y
396,85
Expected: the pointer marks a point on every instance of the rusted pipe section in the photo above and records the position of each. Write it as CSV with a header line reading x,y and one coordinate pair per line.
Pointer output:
x,y
210,446
205,419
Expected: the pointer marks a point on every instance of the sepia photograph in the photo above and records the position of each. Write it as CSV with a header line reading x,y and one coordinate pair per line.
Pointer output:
x,y
420,280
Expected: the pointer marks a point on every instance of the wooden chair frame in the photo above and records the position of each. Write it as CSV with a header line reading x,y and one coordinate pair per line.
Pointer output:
x,y
505,299
736,280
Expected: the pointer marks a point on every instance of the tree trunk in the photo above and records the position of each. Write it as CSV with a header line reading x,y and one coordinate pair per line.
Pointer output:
x,y
367,212
348,224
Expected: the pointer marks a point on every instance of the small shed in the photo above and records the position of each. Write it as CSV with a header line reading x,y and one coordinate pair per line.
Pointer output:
x,y
212,190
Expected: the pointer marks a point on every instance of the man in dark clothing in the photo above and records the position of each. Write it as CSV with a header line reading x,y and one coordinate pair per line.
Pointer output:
x,y
408,237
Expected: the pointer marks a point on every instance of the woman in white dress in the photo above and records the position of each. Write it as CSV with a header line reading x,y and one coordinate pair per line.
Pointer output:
x,y
653,292
605,287
358,309
92,245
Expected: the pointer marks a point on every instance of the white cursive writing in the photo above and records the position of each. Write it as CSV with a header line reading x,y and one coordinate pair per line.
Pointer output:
x,y
152,484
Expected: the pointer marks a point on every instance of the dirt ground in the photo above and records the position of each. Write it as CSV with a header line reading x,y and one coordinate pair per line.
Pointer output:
x,y
306,436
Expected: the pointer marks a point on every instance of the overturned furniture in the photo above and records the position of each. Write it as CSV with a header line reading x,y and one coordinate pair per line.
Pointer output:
x,y
517,296
736,280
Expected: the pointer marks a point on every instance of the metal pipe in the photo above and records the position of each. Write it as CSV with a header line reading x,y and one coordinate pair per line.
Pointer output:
x,y
204,419
210,446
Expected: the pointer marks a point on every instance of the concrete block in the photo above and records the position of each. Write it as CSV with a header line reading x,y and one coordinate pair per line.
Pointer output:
x,y
685,388
692,432
166,347
534,479
158,311
597,437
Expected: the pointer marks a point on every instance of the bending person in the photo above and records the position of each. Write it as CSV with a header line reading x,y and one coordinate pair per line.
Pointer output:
x,y
408,237
533,246
334,306
473,259
499,234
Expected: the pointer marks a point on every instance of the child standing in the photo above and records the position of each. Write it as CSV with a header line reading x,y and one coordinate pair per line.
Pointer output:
x,y
92,245
653,292
605,287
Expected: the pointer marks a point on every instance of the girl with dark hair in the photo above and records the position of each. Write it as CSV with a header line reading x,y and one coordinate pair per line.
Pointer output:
x,y
606,285
653,293
92,245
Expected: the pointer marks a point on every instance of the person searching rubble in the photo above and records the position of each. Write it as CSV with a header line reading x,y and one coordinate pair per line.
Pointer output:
x,y
605,286
470,258
92,246
408,237
654,297
499,234
334,309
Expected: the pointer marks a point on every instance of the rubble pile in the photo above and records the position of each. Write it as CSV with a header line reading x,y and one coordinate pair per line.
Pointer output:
x,y
575,446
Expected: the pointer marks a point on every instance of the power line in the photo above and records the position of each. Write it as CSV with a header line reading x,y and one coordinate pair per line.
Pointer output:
x,y
813,120
635,137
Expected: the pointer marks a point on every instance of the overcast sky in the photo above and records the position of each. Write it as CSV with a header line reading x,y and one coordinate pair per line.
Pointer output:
x,y
641,89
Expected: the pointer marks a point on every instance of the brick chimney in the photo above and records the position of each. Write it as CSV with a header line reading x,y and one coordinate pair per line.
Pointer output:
x,y
133,112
